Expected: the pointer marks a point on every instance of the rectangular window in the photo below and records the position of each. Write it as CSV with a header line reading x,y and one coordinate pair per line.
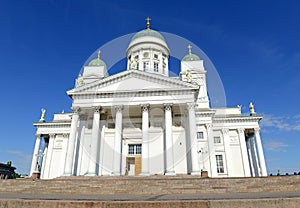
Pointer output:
x,y
134,149
220,163
200,135
156,56
146,66
217,140
130,149
138,149
155,66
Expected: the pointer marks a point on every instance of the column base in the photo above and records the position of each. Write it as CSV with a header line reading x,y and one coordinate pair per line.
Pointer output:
x,y
204,174
170,173
195,173
115,174
67,174
90,174
145,174
36,175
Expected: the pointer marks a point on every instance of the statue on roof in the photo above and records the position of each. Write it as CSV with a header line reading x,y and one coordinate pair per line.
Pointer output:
x,y
42,119
189,77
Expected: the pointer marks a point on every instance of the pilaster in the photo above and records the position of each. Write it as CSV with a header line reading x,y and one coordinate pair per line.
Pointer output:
x,y
225,133
211,150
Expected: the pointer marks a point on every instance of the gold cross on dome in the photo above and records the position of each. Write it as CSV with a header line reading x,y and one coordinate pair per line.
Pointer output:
x,y
148,19
190,48
99,52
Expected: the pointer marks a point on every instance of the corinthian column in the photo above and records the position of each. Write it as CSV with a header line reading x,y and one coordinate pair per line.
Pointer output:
x,y
94,143
254,156
71,144
260,152
193,139
118,141
245,158
145,140
35,154
169,141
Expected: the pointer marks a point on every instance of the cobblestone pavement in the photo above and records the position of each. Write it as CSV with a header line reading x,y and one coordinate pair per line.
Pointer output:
x,y
147,197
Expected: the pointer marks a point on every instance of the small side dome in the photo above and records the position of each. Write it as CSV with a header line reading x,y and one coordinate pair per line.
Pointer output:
x,y
97,62
190,56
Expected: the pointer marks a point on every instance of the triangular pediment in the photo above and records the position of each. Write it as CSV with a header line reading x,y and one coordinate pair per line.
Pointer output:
x,y
133,80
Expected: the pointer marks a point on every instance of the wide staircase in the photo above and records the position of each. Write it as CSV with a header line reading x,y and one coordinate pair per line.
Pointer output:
x,y
82,189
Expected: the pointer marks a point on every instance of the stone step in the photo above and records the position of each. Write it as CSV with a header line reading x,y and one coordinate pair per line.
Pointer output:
x,y
151,185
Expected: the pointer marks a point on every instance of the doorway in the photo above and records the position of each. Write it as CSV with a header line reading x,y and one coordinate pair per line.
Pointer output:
x,y
133,165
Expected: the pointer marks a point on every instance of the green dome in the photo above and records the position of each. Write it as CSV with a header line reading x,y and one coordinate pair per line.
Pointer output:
x,y
191,57
97,62
148,32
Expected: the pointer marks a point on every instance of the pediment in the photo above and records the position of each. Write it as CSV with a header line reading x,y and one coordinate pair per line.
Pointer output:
x,y
133,80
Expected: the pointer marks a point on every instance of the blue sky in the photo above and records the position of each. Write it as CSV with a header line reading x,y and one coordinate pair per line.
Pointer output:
x,y
254,46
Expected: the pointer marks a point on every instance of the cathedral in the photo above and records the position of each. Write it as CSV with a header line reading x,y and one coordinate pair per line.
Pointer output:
x,y
142,121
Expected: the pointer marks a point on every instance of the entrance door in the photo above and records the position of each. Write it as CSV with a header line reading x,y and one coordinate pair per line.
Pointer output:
x,y
131,166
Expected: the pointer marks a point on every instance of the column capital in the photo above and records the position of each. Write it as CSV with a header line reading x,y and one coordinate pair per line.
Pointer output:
x,y
75,109
225,131
118,108
257,130
38,136
97,109
208,126
145,107
241,130
65,135
191,106
168,106
52,135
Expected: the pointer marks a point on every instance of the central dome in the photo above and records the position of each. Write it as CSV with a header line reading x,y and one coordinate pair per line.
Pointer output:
x,y
148,32
147,38
148,51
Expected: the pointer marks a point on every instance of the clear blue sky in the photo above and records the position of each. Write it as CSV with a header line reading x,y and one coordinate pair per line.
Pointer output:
x,y
254,45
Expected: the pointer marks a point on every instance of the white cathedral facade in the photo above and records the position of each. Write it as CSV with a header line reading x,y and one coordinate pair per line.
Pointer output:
x,y
142,122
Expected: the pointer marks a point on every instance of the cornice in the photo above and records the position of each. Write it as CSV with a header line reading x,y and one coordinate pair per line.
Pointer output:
x,y
234,119
52,124
142,93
